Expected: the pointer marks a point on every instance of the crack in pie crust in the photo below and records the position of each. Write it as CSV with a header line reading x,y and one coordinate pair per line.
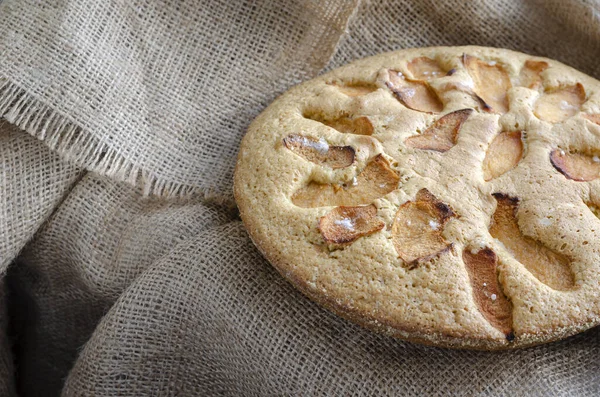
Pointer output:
x,y
443,195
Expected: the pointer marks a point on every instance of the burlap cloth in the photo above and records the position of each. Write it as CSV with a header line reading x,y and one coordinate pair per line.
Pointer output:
x,y
125,269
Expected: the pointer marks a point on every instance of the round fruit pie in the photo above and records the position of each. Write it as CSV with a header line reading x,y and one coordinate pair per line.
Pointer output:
x,y
442,195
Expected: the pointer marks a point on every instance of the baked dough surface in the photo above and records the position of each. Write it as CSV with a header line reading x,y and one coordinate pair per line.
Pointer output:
x,y
475,231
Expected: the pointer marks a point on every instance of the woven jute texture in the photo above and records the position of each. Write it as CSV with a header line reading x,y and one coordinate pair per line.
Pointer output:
x,y
157,92
125,271
64,285
33,181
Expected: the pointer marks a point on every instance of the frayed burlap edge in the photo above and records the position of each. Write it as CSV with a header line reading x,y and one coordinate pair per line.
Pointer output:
x,y
72,143
76,145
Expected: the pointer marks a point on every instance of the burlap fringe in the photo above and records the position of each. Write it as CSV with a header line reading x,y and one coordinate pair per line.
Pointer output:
x,y
75,145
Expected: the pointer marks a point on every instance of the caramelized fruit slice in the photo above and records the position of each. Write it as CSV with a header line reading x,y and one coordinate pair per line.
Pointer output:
x,y
594,118
359,125
530,75
441,135
343,225
319,151
558,104
576,166
414,94
491,82
417,229
551,268
375,181
492,303
504,153
344,124
424,68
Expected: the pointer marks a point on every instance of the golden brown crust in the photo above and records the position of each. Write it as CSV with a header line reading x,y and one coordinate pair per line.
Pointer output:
x,y
398,331
364,280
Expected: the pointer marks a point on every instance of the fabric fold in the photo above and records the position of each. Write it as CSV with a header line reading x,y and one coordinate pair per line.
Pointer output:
x,y
102,237
157,94
142,281
214,318
33,182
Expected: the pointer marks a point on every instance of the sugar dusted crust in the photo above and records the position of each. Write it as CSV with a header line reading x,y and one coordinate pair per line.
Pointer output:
x,y
474,230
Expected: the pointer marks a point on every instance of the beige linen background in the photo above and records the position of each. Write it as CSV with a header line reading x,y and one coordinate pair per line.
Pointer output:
x,y
125,269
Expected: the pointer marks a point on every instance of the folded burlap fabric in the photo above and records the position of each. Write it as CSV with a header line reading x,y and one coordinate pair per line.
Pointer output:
x,y
125,268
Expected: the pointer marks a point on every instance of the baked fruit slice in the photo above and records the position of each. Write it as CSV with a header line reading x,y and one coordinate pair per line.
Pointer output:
x,y
444,195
